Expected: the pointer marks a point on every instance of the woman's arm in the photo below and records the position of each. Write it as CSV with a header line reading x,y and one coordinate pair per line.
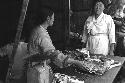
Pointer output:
x,y
119,23
71,61
111,50
111,34
62,60
85,35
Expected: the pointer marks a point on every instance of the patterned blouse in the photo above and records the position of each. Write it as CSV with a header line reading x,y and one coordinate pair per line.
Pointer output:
x,y
40,42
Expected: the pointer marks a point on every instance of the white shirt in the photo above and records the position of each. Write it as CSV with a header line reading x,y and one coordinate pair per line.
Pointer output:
x,y
102,33
103,24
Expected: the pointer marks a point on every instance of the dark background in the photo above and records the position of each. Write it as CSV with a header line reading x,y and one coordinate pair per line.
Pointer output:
x,y
10,12
9,16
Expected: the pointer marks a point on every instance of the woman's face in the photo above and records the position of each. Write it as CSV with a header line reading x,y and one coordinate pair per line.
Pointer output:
x,y
51,20
120,12
99,7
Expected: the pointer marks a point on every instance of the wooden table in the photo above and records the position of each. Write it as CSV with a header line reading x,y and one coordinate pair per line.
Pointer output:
x,y
110,75
107,77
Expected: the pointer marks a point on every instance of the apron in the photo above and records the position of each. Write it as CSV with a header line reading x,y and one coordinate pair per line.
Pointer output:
x,y
98,41
40,73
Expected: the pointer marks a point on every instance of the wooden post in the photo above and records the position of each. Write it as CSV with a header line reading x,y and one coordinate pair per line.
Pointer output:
x,y
69,20
10,75
67,23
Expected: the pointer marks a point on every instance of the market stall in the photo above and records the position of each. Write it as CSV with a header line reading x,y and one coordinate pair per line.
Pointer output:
x,y
94,68
87,77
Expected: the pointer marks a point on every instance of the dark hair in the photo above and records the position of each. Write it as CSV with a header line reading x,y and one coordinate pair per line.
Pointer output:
x,y
105,2
41,15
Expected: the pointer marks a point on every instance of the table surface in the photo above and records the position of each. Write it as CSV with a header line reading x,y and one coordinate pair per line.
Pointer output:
x,y
107,77
110,75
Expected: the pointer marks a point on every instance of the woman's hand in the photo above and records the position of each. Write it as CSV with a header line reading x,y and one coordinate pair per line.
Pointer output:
x,y
118,22
75,62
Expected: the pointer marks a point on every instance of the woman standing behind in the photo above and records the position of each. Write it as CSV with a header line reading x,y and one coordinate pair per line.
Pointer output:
x,y
99,31
119,20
